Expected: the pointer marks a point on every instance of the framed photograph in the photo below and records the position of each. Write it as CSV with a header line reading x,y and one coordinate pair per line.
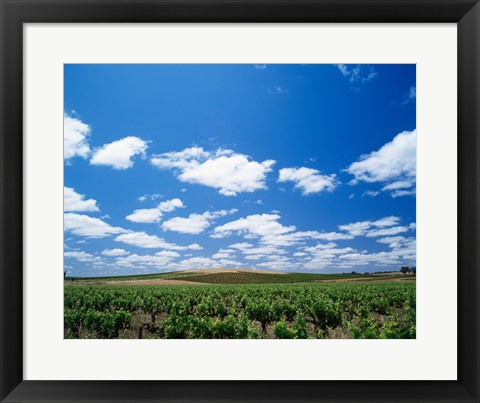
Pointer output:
x,y
215,201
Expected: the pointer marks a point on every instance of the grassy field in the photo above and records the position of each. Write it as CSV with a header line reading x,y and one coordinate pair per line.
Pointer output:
x,y
241,305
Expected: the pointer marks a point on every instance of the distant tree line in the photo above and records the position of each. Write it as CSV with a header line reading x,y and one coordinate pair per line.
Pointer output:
x,y
408,270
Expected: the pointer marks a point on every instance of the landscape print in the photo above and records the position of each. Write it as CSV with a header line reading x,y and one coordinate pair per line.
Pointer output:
x,y
239,201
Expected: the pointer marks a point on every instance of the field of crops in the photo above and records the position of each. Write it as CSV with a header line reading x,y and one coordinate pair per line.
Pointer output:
x,y
240,277
315,310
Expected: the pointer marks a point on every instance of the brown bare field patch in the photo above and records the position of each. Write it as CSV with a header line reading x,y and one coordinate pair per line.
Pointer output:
x,y
153,282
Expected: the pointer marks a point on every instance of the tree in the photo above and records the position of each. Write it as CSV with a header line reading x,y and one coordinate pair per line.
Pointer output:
x,y
413,270
404,270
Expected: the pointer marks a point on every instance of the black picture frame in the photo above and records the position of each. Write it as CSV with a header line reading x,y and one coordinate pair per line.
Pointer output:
x,y
14,13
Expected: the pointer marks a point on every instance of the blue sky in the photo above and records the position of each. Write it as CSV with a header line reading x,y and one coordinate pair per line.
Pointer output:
x,y
301,168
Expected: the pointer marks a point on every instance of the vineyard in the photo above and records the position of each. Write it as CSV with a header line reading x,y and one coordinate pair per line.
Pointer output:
x,y
267,311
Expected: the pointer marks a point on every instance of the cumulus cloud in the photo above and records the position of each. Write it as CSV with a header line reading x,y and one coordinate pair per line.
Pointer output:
x,y
194,223
256,225
225,170
145,215
260,66
332,236
357,228
386,221
167,253
394,165
271,232
254,253
361,228
392,241
402,253
75,137
80,256
143,240
159,260
114,252
119,154
322,256
153,215
197,263
224,254
73,201
277,262
89,227
308,180
387,231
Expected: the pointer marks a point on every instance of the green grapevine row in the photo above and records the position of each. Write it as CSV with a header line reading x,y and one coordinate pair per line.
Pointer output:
x,y
350,310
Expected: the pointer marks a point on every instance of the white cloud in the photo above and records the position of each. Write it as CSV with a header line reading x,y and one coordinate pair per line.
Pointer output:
x,y
73,201
393,164
89,227
170,205
387,231
194,223
118,154
80,256
332,236
167,253
197,263
357,228
386,221
307,179
277,263
223,254
158,260
392,241
256,225
399,193
260,66
357,74
271,233
229,172
402,253
361,228
153,215
75,136
145,215
143,240
398,185
114,252
323,256
241,245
